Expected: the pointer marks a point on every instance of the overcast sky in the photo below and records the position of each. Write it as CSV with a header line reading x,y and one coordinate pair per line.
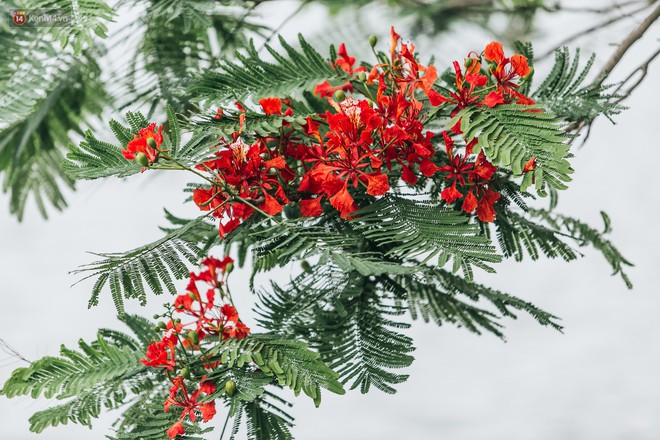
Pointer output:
x,y
598,380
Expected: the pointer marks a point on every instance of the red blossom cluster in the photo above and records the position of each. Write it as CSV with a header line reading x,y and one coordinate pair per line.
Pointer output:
x,y
204,319
362,146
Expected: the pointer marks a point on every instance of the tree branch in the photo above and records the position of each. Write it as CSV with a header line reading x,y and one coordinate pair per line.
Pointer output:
x,y
626,44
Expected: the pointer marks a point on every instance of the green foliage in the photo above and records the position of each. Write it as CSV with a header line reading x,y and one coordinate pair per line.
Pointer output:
x,y
154,265
36,122
408,229
100,374
585,235
340,314
564,93
253,77
264,418
146,420
88,19
290,362
513,134
435,295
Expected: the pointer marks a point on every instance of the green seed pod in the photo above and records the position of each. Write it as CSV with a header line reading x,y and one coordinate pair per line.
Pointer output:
x,y
192,295
230,388
185,373
373,40
306,266
339,95
193,336
142,159
152,143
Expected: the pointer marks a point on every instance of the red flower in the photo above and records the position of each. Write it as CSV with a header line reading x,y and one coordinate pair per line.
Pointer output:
x,y
147,142
229,312
180,397
160,355
506,72
247,176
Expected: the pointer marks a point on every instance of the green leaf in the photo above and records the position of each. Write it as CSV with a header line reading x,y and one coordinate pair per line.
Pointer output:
x,y
252,77
153,265
511,135
410,229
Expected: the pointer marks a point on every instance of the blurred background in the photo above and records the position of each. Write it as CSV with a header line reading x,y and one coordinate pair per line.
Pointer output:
x,y
598,380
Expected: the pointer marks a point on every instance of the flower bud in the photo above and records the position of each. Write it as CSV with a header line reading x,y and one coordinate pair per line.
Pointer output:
x,y
192,295
306,266
152,143
155,328
229,268
185,373
193,336
373,40
468,62
230,388
142,159
361,76
162,325
156,316
529,75
339,95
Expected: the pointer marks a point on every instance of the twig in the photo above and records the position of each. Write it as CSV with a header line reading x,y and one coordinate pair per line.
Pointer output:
x,y
643,68
590,30
222,434
11,351
625,45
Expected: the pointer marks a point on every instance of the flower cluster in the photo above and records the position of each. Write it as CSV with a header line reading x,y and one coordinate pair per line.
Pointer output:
x,y
199,321
363,144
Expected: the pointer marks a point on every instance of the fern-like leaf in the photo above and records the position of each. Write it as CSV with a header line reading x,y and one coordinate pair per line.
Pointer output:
x,y
252,77
408,228
153,265
511,135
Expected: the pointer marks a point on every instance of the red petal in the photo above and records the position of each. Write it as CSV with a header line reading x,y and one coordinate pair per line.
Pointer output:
x,y
271,206
377,184
494,52
492,99
470,202
450,194
530,165
428,168
271,106
311,207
